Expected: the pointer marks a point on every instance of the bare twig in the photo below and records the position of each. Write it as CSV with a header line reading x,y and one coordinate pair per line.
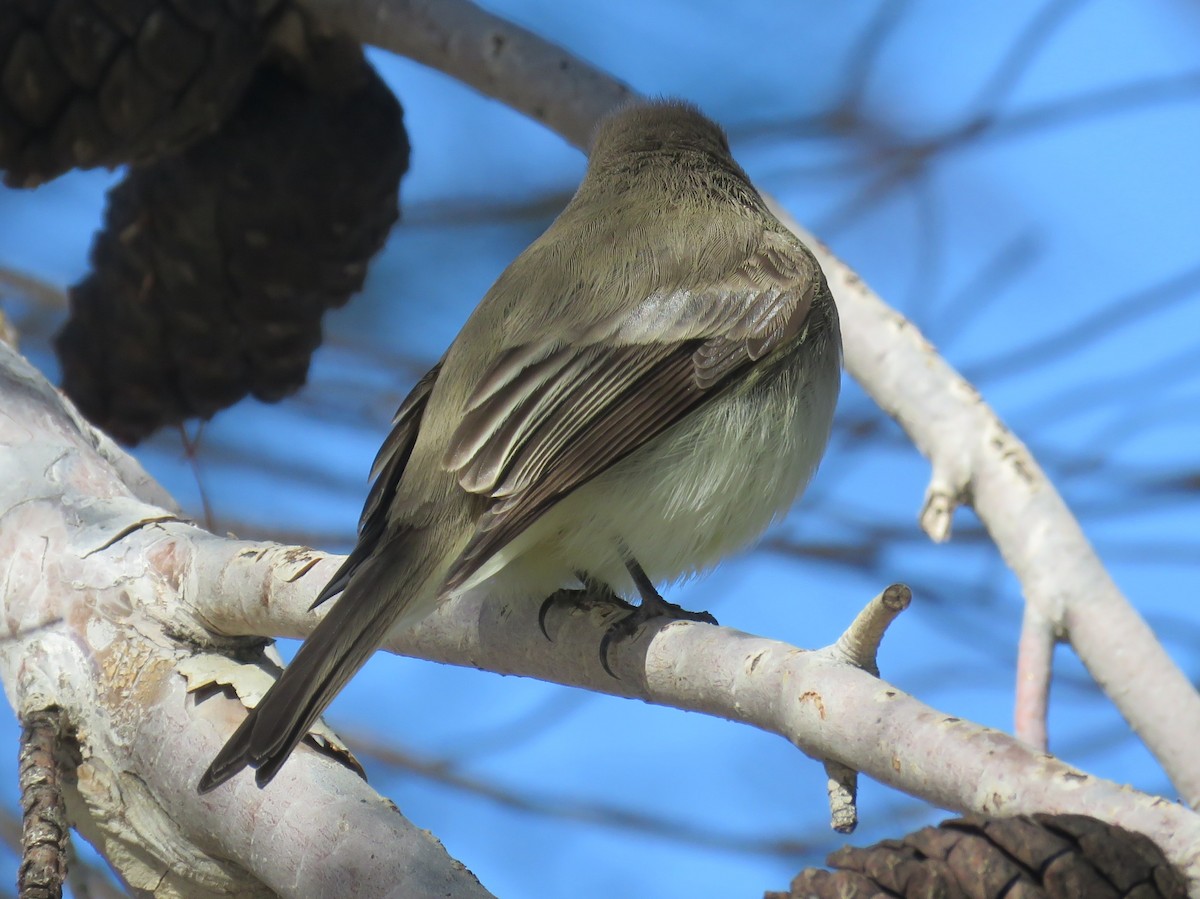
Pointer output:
x,y
859,645
595,813
1035,660
41,292
46,831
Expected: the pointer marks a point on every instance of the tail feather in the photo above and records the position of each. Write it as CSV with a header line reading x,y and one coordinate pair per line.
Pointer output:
x,y
339,645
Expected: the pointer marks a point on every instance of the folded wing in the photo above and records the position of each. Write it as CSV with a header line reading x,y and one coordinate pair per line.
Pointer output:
x,y
547,418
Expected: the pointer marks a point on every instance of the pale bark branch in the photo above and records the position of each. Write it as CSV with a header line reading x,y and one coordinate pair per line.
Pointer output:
x,y
976,458
92,579
826,706
492,55
1035,664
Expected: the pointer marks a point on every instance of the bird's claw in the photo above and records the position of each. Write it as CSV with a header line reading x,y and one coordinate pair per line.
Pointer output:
x,y
580,599
651,608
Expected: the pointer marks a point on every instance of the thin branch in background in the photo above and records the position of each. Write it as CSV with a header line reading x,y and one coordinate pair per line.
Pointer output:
x,y
1011,261
1153,552
1185,482
1154,413
348,402
893,160
29,306
929,264
522,728
39,292
817,841
402,365
8,333
458,212
903,165
1108,318
880,147
865,53
191,452
1033,39
1136,96
584,812
863,553
88,881
239,457
1056,407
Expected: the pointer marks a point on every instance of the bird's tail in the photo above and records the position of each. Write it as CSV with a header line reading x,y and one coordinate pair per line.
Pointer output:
x,y
374,600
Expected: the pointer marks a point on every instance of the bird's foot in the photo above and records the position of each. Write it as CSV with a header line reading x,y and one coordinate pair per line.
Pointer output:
x,y
581,599
653,606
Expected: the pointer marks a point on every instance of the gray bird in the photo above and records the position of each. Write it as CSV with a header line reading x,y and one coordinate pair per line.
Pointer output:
x,y
640,393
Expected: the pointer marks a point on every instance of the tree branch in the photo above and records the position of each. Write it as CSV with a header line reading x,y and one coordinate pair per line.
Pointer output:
x,y
92,577
494,56
826,706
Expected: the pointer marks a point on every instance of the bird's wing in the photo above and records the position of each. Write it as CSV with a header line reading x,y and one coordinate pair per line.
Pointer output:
x,y
546,418
385,472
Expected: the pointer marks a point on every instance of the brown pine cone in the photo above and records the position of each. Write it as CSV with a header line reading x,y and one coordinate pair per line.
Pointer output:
x,y
87,83
1049,856
214,267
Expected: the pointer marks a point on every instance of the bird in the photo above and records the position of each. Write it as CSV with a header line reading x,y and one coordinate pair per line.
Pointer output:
x,y
641,392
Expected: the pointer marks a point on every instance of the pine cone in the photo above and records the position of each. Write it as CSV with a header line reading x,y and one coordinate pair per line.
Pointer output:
x,y
1050,856
214,267
87,83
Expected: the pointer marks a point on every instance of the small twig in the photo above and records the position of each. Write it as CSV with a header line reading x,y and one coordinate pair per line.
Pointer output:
x,y
191,452
599,814
46,832
1035,664
859,645
40,292
843,797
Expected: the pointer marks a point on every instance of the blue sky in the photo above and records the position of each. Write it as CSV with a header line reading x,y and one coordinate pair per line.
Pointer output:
x,y
1062,217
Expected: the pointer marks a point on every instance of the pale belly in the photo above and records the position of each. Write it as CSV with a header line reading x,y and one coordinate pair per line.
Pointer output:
x,y
707,487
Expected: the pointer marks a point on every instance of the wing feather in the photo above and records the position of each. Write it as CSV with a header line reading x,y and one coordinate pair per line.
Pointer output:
x,y
386,472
